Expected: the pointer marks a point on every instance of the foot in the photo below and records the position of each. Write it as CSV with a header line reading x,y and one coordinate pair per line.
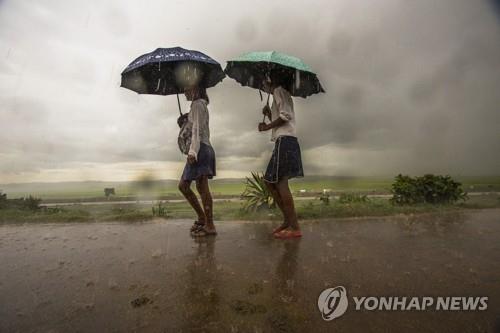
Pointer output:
x,y
283,226
288,233
197,225
204,231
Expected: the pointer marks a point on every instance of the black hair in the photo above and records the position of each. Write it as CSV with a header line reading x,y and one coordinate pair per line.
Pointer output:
x,y
278,79
202,93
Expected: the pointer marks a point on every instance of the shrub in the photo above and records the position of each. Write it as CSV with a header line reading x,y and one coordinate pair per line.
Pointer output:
x,y
159,210
3,196
256,194
109,191
325,198
32,203
426,189
3,199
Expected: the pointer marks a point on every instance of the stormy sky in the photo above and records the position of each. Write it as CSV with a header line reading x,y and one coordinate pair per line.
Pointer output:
x,y
412,86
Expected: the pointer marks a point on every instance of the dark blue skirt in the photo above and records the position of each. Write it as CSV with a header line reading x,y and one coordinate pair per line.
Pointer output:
x,y
286,161
204,166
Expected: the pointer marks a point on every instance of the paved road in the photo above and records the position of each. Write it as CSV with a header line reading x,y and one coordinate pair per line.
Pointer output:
x,y
152,277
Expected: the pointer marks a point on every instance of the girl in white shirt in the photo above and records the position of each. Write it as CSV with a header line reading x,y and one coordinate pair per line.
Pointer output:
x,y
286,161
200,164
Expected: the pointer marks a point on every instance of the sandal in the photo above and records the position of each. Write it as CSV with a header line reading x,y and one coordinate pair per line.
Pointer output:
x,y
283,226
197,225
203,232
287,234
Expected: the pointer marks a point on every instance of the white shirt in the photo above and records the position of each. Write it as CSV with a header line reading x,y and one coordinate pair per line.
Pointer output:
x,y
282,107
198,116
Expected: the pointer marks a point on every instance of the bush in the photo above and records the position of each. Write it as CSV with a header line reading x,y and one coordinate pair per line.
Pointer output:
x,y
30,203
256,194
325,198
159,210
427,189
3,199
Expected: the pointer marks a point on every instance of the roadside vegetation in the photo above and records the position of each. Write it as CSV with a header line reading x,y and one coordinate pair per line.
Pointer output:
x,y
145,188
430,194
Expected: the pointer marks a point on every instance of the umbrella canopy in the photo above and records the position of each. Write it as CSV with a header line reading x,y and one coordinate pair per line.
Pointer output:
x,y
251,69
167,71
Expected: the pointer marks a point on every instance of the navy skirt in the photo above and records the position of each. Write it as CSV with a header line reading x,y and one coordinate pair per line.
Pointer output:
x,y
204,166
286,161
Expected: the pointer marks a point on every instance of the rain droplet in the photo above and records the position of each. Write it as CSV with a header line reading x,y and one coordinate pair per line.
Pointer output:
x,y
156,254
297,79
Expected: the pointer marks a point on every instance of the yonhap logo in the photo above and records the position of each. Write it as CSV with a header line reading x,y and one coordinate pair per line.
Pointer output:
x,y
332,303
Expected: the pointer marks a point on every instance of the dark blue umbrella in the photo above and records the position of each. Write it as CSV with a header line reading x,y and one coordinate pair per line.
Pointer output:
x,y
167,71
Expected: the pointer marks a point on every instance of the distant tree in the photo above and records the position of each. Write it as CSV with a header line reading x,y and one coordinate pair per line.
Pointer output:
x,y
109,191
3,199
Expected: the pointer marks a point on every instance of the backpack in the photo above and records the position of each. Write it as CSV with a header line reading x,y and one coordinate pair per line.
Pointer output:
x,y
184,138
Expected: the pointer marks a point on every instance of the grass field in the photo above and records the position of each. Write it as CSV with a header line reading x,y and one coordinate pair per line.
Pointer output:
x,y
230,210
220,187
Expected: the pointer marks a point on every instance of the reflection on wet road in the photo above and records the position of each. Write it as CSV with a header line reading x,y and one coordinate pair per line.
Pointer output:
x,y
153,277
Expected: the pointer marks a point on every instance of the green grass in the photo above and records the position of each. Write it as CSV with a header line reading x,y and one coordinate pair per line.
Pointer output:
x,y
229,210
76,191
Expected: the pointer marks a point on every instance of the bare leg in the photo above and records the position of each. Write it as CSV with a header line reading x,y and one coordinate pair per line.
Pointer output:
x,y
206,199
185,188
288,205
274,192
272,187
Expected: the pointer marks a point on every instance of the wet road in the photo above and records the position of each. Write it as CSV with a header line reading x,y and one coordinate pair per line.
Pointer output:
x,y
152,277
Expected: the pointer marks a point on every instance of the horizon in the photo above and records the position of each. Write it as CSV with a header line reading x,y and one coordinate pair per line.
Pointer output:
x,y
381,177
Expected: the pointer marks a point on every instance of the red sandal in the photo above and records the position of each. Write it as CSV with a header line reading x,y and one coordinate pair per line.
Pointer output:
x,y
280,228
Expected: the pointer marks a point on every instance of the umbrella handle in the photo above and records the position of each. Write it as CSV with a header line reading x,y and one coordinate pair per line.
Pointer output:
x,y
267,103
179,104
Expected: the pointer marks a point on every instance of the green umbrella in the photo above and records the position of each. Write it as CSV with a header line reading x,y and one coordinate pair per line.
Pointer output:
x,y
251,69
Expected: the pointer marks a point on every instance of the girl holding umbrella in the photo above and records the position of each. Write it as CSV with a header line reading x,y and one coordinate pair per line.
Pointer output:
x,y
200,164
286,161
169,71
283,76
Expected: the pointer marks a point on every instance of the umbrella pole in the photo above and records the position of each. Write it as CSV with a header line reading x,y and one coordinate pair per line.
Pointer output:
x,y
179,104
267,103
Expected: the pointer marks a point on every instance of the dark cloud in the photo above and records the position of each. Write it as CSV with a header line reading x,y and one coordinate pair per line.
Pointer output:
x,y
411,86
